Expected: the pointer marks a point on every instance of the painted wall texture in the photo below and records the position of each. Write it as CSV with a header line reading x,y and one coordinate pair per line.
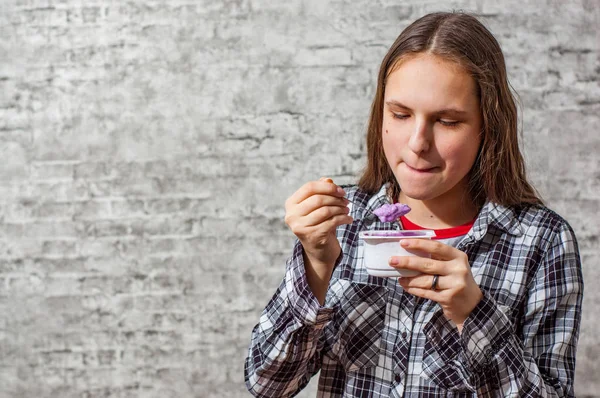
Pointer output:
x,y
147,149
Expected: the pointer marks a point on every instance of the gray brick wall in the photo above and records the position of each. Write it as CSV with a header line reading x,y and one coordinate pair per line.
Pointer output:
x,y
147,148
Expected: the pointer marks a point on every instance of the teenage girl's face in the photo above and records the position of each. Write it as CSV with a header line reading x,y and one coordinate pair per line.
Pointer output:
x,y
431,125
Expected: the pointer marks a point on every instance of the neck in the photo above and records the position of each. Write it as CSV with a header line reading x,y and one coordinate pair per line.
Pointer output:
x,y
440,212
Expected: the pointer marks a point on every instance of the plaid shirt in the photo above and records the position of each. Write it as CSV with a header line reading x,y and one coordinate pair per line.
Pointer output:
x,y
372,339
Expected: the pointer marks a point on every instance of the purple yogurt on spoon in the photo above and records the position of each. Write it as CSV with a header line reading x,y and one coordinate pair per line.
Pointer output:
x,y
388,213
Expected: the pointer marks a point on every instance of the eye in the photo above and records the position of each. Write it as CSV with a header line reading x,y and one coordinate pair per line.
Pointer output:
x,y
400,116
448,123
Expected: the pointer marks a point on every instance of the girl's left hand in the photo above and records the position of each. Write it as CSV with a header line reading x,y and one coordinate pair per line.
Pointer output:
x,y
456,291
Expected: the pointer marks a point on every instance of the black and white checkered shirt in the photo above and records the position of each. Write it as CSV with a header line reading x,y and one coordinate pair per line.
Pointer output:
x,y
372,339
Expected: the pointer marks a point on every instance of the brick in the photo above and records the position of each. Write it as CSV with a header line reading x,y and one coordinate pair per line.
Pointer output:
x,y
55,210
60,248
185,205
13,120
21,210
91,171
57,286
59,264
169,226
128,207
20,249
16,384
134,188
9,265
92,209
62,358
52,171
14,161
324,56
96,379
110,228
60,191
147,355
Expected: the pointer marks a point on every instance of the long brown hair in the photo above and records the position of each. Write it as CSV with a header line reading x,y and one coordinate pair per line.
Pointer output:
x,y
498,174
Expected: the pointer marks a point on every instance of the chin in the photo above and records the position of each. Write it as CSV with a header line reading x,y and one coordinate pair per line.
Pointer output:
x,y
418,194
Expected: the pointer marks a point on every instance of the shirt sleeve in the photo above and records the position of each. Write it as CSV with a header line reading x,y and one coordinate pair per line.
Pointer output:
x,y
286,345
538,357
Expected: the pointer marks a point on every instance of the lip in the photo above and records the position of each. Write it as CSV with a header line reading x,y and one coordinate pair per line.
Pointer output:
x,y
420,170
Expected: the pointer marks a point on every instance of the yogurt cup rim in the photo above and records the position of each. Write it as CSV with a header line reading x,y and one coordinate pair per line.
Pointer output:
x,y
392,233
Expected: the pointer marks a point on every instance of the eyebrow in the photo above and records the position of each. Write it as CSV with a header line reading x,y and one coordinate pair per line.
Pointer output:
x,y
445,111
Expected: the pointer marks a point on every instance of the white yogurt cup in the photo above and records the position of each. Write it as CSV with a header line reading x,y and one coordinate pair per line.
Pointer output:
x,y
379,246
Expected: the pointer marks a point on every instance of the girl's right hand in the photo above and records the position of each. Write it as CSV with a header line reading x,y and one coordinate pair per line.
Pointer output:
x,y
312,213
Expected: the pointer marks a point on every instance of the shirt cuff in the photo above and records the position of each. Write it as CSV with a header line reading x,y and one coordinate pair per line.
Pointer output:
x,y
485,332
304,305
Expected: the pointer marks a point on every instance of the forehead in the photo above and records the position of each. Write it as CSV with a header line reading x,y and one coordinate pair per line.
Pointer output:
x,y
431,81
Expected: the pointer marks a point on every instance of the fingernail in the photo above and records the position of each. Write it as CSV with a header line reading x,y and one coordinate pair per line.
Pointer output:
x,y
393,261
341,191
404,243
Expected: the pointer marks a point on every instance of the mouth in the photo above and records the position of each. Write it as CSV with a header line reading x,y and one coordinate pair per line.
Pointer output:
x,y
422,170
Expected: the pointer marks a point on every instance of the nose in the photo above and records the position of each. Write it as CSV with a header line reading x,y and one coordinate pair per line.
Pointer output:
x,y
420,138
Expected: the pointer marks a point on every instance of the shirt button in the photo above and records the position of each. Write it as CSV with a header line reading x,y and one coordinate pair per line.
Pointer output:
x,y
404,334
398,378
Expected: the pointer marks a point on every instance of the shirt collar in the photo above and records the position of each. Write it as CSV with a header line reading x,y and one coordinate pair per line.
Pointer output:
x,y
501,217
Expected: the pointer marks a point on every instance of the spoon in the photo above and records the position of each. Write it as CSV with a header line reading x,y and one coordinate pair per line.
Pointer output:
x,y
385,213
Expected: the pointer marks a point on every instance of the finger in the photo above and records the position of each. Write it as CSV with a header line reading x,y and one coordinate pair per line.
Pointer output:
x,y
422,264
336,221
436,249
314,188
315,202
323,214
328,225
423,281
424,293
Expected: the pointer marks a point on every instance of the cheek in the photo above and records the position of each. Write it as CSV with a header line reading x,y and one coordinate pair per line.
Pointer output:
x,y
391,134
460,156
388,146
389,141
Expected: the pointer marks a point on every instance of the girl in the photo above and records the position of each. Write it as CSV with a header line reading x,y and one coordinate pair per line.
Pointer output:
x,y
497,308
